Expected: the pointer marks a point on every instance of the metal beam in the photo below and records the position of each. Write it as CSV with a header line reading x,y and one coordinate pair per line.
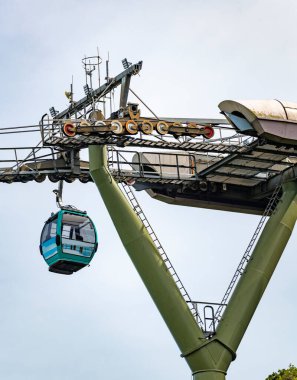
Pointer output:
x,y
125,84
289,174
247,157
197,120
252,168
232,175
285,152
217,165
226,160
105,88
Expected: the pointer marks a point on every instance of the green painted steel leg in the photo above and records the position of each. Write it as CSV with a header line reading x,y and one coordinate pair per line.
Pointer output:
x,y
253,282
259,270
208,359
145,256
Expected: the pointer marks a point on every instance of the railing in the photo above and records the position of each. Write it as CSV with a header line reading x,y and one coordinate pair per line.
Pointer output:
x,y
35,163
207,310
180,167
165,166
19,157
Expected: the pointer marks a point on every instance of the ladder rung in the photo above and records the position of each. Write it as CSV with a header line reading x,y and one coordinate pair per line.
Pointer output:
x,y
246,257
138,211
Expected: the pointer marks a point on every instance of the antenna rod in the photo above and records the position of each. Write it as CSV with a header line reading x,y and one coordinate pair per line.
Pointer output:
x,y
98,57
71,90
107,68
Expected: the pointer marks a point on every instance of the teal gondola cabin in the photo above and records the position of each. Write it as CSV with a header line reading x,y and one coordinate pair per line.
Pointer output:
x,y
68,241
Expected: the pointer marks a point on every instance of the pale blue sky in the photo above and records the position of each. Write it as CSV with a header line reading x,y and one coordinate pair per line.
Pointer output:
x,y
101,323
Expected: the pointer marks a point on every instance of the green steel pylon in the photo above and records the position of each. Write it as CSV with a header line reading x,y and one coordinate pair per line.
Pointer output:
x,y
208,359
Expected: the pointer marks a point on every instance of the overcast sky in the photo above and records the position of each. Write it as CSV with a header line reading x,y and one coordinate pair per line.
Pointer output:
x,y
101,323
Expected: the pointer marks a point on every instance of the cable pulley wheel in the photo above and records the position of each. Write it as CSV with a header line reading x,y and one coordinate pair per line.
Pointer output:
x,y
69,129
192,126
84,179
208,132
176,134
54,178
131,127
85,124
117,127
40,178
100,124
96,115
147,127
162,128
69,179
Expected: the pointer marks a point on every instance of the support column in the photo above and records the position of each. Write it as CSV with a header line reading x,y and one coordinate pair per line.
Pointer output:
x,y
259,270
251,287
146,258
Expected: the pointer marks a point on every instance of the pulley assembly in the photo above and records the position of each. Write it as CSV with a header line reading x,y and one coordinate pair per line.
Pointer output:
x,y
127,121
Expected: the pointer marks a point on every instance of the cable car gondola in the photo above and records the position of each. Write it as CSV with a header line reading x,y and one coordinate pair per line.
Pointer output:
x,y
68,241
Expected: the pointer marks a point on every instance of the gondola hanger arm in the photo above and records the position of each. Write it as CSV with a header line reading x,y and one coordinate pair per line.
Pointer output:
x,y
59,195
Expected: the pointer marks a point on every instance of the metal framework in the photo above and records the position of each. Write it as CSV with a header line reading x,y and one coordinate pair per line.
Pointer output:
x,y
208,355
206,163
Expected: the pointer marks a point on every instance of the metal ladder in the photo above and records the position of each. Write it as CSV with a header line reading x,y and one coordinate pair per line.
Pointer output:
x,y
139,212
247,254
